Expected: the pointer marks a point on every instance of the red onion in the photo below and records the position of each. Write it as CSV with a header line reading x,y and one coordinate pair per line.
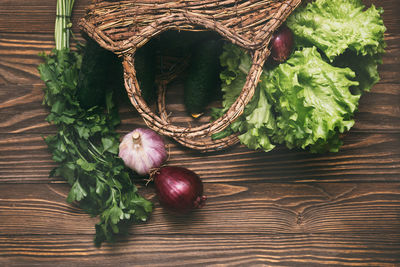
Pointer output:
x,y
142,150
179,189
282,43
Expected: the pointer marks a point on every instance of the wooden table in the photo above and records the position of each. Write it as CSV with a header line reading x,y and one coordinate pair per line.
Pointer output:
x,y
284,208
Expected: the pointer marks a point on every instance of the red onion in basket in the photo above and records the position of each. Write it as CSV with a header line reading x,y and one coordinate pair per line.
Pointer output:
x,y
282,43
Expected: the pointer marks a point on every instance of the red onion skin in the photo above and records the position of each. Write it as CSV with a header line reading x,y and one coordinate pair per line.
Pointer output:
x,y
282,43
179,189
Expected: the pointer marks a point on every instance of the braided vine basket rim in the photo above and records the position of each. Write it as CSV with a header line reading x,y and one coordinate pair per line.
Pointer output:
x,y
124,26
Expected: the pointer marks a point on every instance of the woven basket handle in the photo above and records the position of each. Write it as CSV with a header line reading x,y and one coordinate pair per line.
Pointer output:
x,y
192,136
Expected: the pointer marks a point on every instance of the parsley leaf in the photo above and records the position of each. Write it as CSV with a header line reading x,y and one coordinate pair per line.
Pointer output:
x,y
86,148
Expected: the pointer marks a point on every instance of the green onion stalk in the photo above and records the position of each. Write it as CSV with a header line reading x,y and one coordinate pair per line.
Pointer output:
x,y
63,23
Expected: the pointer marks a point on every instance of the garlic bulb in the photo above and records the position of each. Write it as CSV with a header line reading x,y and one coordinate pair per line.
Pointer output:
x,y
142,150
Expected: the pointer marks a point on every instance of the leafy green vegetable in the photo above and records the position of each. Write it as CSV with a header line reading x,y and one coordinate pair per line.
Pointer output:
x,y
309,100
347,33
312,101
257,122
86,148
338,25
365,67
86,144
304,102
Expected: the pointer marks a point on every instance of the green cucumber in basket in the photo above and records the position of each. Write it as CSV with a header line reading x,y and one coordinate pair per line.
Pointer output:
x,y
101,71
202,80
145,66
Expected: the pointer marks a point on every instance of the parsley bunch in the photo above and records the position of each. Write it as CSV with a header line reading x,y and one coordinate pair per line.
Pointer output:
x,y
86,147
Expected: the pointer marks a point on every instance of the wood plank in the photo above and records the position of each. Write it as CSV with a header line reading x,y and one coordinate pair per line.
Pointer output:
x,y
364,157
380,107
19,54
236,207
36,15
39,15
194,250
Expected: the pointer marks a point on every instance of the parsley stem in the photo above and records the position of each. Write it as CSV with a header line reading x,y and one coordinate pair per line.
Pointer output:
x,y
96,153
96,157
63,23
76,148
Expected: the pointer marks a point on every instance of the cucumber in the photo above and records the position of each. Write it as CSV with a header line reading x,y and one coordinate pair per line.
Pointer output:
x,y
95,75
145,66
101,71
202,80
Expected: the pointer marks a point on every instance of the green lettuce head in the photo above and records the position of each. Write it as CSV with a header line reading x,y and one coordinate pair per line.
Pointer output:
x,y
309,101
312,101
346,32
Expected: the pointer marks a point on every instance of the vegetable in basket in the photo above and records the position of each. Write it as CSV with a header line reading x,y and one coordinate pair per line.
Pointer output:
x,y
282,42
146,68
202,80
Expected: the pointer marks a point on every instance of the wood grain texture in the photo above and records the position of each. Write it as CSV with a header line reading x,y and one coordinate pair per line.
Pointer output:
x,y
204,250
38,16
282,208
240,207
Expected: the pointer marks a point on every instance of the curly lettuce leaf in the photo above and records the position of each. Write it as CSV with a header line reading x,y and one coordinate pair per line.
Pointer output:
x,y
365,67
303,103
259,124
308,101
335,26
257,121
347,33
312,100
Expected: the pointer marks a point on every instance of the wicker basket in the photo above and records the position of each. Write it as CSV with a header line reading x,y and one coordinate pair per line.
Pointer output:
x,y
125,26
